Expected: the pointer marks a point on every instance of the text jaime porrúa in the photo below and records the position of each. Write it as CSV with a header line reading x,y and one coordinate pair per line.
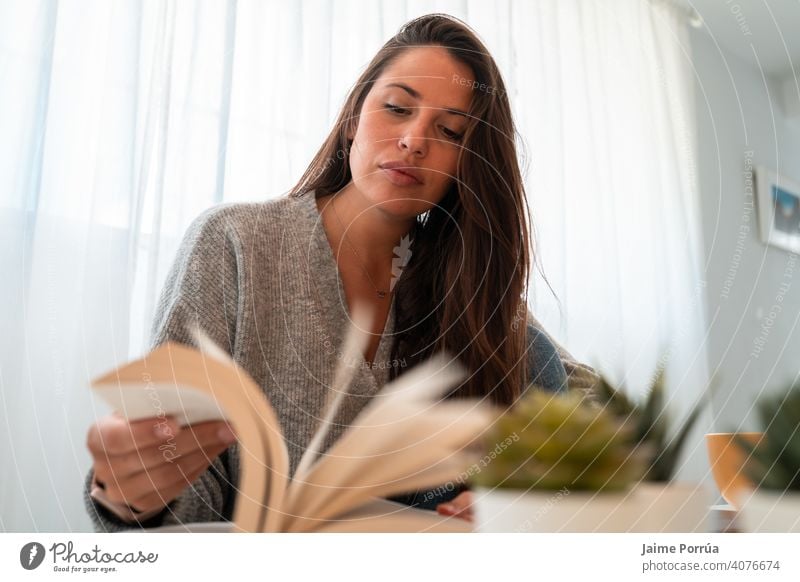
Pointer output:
x,y
648,549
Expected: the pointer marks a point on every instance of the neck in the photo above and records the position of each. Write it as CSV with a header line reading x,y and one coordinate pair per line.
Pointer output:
x,y
370,230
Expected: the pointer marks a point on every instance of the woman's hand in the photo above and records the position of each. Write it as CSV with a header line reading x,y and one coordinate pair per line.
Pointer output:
x,y
461,507
147,463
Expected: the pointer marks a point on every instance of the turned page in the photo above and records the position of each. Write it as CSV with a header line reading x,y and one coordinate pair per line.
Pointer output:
x,y
382,515
194,386
405,439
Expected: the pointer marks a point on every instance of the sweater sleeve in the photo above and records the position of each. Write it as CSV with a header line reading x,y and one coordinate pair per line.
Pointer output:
x,y
202,287
580,377
545,367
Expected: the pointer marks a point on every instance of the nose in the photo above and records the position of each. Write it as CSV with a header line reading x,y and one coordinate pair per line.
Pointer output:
x,y
413,141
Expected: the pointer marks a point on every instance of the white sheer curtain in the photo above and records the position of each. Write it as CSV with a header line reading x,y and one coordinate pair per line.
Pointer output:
x,y
603,92
121,121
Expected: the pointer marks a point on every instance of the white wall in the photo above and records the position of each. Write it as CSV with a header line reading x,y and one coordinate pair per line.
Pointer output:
x,y
742,120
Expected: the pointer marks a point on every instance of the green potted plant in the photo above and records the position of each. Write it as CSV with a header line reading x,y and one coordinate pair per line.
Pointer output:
x,y
557,464
773,465
607,464
667,506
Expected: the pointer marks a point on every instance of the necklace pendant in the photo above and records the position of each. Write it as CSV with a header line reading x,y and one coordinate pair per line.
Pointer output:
x,y
381,294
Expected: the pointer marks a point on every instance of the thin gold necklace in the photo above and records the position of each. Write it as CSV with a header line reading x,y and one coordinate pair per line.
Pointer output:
x,y
381,294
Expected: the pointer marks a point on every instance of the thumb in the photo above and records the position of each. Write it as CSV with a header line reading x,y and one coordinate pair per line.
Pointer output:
x,y
460,504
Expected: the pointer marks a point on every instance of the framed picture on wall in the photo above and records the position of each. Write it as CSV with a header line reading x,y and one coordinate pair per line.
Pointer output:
x,y
778,210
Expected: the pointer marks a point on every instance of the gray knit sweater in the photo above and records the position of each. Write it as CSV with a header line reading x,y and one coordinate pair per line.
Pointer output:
x,y
262,280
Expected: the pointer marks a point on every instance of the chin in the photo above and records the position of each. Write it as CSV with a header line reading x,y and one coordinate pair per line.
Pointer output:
x,y
400,203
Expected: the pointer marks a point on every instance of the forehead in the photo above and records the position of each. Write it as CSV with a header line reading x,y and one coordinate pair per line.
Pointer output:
x,y
434,74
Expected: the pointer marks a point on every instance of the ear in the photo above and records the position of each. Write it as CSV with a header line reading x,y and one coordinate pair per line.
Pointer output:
x,y
352,127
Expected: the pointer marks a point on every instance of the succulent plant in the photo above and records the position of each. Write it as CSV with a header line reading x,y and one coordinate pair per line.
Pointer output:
x,y
550,441
650,425
774,463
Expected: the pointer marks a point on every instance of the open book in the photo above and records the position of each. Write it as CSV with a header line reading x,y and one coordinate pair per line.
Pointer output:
x,y
407,438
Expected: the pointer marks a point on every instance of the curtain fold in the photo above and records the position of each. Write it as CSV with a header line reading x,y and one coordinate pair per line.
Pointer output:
x,y
120,122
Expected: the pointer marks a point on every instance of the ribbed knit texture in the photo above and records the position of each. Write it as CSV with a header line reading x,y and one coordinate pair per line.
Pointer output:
x,y
262,281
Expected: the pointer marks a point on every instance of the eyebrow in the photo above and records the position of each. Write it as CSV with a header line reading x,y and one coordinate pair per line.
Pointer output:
x,y
416,95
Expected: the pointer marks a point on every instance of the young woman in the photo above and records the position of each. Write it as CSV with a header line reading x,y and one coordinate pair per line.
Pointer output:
x,y
414,205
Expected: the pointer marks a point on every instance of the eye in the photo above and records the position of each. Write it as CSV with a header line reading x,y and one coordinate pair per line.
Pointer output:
x,y
450,134
396,109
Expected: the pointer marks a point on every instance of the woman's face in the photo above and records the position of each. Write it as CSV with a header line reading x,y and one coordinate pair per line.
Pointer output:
x,y
412,118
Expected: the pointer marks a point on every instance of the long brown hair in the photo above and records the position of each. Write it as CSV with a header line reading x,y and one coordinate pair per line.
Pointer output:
x,y
463,289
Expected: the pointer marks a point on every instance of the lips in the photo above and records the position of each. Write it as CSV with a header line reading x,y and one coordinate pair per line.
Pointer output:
x,y
398,170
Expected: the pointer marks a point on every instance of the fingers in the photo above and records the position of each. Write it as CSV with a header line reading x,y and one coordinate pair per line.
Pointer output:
x,y
155,487
113,469
158,499
147,463
190,439
460,507
113,435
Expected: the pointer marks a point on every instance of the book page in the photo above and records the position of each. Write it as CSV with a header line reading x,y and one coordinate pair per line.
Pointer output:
x,y
401,442
363,468
382,515
355,343
178,380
